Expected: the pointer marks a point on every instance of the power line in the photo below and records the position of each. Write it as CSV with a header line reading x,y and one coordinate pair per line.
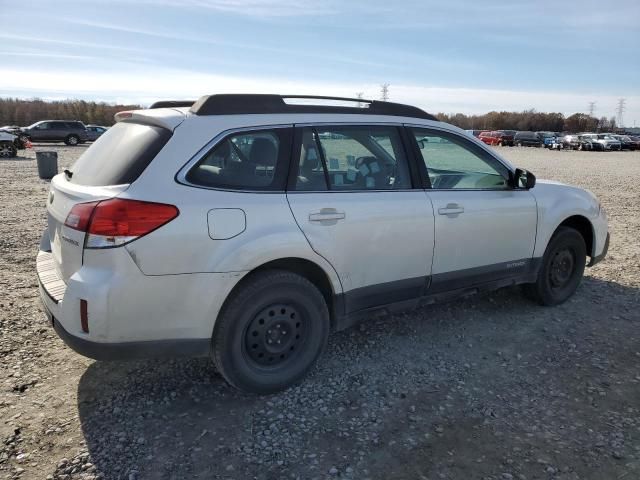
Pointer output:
x,y
384,92
620,111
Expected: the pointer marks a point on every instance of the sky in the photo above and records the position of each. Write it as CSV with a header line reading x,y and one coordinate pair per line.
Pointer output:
x,y
448,56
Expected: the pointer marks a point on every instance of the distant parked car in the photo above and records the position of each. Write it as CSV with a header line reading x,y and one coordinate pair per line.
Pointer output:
x,y
577,142
635,140
607,141
527,139
94,131
21,141
549,139
69,132
496,138
509,132
626,142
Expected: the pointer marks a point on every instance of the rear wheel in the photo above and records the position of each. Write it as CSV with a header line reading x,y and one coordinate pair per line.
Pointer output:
x,y
8,150
562,268
72,140
271,332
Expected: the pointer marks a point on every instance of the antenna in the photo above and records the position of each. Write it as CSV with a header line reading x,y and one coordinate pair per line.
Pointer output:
x,y
384,92
620,111
592,108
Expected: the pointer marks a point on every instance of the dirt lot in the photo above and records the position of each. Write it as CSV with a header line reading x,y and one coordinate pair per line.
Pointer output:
x,y
491,387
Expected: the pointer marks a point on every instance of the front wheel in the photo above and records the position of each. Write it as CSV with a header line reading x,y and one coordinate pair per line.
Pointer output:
x,y
8,150
271,332
562,268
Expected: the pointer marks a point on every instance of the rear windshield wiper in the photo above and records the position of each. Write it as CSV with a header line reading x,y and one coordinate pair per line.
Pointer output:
x,y
68,173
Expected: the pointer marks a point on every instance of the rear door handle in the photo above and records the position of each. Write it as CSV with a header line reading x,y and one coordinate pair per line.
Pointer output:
x,y
326,215
451,209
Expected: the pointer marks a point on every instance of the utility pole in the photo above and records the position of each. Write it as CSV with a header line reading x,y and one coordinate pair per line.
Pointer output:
x,y
359,96
384,92
592,108
620,111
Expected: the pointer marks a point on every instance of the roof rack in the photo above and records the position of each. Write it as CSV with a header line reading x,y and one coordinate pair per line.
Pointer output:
x,y
236,104
172,103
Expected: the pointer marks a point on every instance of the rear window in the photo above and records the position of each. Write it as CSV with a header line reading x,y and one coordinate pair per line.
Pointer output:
x,y
120,155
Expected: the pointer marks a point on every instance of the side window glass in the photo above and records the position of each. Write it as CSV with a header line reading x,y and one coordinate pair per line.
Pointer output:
x,y
352,158
246,161
451,164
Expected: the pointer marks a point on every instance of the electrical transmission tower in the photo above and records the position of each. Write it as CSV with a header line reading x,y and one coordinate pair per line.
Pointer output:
x,y
592,108
359,96
384,92
620,112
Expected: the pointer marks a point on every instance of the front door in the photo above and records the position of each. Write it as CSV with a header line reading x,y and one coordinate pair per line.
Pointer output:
x,y
484,229
352,197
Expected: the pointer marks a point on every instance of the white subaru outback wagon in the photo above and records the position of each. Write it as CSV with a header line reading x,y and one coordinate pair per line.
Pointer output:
x,y
247,227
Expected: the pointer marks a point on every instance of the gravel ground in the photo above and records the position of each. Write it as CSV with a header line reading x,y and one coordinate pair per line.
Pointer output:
x,y
490,387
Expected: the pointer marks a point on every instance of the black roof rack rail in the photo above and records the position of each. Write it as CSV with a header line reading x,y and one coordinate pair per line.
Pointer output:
x,y
239,103
172,103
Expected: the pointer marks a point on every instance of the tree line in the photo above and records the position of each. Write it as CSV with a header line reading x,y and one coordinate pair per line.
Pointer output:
x,y
25,112
530,120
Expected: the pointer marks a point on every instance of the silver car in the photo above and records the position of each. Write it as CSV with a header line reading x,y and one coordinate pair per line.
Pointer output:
x,y
607,140
247,227
95,131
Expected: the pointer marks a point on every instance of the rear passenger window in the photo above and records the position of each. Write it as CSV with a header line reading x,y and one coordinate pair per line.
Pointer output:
x,y
255,160
352,158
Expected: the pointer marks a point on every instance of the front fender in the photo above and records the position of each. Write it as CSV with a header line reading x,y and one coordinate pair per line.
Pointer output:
x,y
558,202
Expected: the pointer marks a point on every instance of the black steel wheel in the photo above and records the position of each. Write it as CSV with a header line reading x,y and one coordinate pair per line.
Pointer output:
x,y
561,269
270,332
275,334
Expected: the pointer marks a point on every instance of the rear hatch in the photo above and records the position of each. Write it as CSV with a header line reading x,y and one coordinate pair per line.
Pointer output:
x,y
104,170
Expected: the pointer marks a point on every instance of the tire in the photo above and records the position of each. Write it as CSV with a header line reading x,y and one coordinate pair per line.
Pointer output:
x,y
561,270
245,351
8,150
72,140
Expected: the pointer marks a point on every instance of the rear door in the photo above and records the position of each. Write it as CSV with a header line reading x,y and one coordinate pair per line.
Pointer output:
x,y
484,229
351,193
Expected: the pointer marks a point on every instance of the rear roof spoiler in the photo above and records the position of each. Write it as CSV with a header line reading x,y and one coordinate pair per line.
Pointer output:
x,y
172,104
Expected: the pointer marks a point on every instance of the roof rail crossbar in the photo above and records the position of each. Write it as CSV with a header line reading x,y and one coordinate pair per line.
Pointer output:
x,y
237,103
172,103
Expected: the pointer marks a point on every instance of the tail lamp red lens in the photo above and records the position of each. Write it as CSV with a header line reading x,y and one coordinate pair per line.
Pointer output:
x,y
114,222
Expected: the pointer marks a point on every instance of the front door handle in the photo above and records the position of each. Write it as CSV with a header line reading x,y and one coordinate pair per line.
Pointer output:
x,y
326,215
451,209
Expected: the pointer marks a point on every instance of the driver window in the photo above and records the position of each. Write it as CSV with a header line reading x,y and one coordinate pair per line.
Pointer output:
x,y
451,164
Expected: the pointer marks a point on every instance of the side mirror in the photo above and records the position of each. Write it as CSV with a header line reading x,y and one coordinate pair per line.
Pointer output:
x,y
523,179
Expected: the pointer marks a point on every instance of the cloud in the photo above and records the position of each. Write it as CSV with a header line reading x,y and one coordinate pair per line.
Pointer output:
x,y
137,86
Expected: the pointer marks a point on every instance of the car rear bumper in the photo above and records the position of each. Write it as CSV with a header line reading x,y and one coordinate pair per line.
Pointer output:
x,y
131,315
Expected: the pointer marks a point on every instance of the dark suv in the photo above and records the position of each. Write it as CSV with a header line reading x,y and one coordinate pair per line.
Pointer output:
x,y
527,139
67,131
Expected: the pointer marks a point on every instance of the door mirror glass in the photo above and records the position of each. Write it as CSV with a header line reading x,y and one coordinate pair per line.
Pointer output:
x,y
524,179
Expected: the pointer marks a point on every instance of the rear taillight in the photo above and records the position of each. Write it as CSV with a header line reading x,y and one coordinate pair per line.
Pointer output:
x,y
114,222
